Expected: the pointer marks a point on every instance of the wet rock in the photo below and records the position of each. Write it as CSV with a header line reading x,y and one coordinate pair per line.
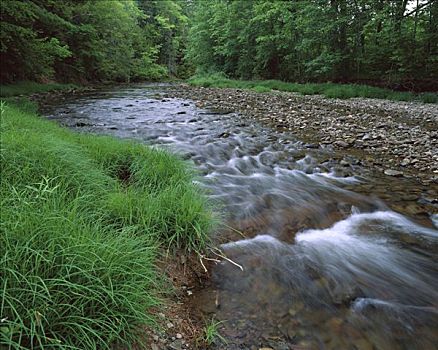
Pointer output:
x,y
82,124
392,172
176,345
405,162
363,344
409,197
181,112
224,135
341,143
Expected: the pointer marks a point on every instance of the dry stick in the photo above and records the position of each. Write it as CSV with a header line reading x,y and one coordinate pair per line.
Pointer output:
x,y
222,255
209,259
200,259
235,230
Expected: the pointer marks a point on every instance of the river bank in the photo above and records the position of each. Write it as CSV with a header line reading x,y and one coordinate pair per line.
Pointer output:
x,y
395,138
87,221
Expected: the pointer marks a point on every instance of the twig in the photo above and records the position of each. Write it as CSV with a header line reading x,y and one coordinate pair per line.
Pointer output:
x,y
200,259
209,259
235,230
222,255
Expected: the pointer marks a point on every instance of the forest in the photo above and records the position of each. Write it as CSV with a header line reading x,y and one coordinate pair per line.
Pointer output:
x,y
91,41
391,43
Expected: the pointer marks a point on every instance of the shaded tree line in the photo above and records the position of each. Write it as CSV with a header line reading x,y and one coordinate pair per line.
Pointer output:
x,y
383,42
91,40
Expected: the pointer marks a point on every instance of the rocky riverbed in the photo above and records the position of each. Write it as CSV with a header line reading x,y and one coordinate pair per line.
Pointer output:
x,y
397,138
319,248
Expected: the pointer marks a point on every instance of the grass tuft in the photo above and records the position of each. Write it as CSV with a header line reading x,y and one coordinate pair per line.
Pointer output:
x,y
82,220
211,333
261,89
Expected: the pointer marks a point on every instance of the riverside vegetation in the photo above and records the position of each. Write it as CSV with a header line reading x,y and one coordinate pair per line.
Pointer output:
x,y
330,90
83,219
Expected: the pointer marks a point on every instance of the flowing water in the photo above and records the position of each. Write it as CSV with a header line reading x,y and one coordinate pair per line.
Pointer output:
x,y
325,255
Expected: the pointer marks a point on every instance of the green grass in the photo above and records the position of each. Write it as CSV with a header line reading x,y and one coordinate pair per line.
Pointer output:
x,y
429,97
31,87
211,333
83,219
330,90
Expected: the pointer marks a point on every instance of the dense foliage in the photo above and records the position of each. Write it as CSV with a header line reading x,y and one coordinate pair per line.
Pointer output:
x,y
78,40
394,42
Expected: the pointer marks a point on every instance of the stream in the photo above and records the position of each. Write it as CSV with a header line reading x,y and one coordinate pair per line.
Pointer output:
x,y
326,255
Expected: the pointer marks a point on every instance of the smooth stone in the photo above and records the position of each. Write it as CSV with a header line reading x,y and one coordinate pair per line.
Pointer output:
x,y
391,172
340,143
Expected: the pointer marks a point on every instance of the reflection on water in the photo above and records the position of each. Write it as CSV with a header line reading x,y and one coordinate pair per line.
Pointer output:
x,y
325,264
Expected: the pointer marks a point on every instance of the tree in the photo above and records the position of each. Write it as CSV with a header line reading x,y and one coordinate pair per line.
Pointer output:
x,y
391,42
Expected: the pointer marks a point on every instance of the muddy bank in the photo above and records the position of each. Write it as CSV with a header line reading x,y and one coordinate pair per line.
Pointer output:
x,y
398,138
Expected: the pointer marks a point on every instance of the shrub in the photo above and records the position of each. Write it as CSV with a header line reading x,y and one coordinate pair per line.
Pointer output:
x,y
30,87
429,97
343,92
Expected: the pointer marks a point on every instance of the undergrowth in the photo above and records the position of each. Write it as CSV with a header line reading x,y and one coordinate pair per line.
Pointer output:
x,y
83,218
31,87
330,90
